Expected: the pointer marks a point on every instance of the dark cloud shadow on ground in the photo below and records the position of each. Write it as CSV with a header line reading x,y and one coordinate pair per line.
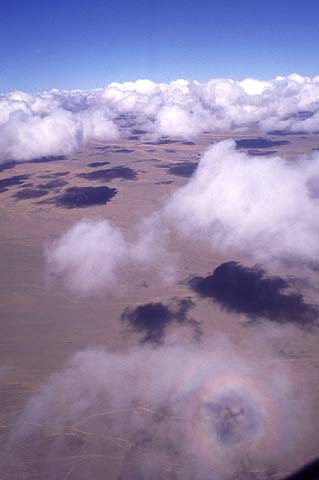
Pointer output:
x,y
185,169
11,181
97,164
39,190
54,175
56,183
106,147
8,165
81,197
122,150
259,143
57,158
108,174
26,193
13,163
164,182
249,291
152,319
181,169
260,153
285,133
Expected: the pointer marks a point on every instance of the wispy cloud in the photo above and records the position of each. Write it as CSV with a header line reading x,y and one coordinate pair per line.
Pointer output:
x,y
197,411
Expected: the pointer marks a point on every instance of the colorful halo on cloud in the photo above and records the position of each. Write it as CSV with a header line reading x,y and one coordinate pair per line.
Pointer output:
x,y
233,413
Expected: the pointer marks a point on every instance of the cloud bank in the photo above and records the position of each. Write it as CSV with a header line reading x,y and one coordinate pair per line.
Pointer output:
x,y
171,412
48,124
60,122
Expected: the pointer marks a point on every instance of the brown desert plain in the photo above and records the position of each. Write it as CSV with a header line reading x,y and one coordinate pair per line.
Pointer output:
x,y
110,384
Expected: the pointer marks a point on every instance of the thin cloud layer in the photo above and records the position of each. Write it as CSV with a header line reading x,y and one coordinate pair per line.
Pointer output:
x,y
170,412
59,122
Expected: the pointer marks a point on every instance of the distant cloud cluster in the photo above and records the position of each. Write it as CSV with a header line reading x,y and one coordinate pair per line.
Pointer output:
x,y
236,203
59,122
185,108
54,123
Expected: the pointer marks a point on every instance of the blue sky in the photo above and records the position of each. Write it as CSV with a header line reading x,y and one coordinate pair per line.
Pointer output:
x,y
86,44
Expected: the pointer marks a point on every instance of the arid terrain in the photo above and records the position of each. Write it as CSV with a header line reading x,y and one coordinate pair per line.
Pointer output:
x,y
130,404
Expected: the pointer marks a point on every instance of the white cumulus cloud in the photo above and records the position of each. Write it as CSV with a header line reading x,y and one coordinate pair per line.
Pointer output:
x,y
267,207
181,108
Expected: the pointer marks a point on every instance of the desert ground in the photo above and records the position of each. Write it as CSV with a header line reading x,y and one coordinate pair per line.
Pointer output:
x,y
44,324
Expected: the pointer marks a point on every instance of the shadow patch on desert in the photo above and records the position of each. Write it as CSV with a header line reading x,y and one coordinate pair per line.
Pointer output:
x,y
249,291
12,181
181,169
26,193
97,164
81,197
259,142
53,184
126,173
261,153
152,319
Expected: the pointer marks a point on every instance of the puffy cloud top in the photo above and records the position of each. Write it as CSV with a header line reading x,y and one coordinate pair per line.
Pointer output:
x,y
57,122
266,206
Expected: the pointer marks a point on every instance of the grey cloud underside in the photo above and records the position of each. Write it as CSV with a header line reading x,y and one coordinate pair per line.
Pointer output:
x,y
58,123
